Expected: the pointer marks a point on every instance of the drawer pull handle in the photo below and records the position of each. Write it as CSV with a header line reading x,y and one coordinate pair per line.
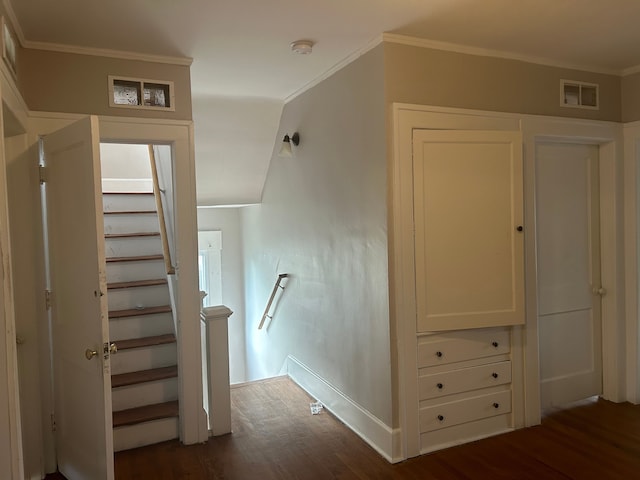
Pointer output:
x,y
496,405
440,386
441,418
438,354
494,375
495,344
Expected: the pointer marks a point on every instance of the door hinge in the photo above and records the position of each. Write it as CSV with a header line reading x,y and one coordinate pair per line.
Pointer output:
x,y
47,299
53,422
42,174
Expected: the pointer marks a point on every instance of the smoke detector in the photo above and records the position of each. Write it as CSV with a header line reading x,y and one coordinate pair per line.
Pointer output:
x,y
302,47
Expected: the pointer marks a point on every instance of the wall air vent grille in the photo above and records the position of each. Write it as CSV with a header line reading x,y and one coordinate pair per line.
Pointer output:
x,y
576,94
141,94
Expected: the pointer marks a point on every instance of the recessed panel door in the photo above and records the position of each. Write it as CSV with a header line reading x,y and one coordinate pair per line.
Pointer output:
x,y
469,241
569,289
81,357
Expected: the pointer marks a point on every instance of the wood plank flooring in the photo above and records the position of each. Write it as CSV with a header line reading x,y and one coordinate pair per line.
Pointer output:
x,y
276,437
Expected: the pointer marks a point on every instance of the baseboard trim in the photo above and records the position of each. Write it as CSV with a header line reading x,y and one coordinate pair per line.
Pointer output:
x,y
383,439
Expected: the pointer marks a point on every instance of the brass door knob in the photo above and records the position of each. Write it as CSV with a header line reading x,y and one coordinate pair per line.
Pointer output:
x,y
90,353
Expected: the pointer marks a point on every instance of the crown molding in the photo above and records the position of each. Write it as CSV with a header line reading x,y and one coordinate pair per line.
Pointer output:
x,y
485,52
101,52
631,70
338,66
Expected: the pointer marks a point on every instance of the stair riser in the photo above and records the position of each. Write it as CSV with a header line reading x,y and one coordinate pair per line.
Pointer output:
x,y
148,433
142,326
123,202
132,396
131,223
132,271
144,358
125,298
133,246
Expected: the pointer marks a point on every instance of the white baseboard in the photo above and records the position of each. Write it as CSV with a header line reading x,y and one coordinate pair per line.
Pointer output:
x,y
382,438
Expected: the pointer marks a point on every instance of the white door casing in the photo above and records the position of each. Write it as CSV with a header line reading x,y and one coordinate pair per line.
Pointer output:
x,y
569,285
469,235
82,386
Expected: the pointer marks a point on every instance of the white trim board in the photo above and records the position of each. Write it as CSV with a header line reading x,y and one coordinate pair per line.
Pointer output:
x,y
382,438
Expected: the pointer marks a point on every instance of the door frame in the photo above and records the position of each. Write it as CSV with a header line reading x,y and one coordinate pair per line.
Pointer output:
x,y
631,133
179,134
607,136
9,391
525,359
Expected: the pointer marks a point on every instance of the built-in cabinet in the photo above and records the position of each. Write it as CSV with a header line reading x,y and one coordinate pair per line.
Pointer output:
x,y
465,277
464,381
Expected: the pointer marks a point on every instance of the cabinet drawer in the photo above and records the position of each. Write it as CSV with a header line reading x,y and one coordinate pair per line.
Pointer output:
x,y
459,346
464,379
462,411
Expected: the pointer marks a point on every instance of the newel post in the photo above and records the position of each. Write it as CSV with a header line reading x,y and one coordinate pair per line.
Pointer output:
x,y
216,391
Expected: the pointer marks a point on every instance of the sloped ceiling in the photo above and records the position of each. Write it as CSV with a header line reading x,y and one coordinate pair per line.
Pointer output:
x,y
243,70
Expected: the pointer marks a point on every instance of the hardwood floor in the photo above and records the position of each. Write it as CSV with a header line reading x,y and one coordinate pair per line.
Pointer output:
x,y
276,437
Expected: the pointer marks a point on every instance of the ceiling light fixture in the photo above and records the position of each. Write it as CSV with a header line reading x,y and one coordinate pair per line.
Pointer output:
x,y
285,150
302,47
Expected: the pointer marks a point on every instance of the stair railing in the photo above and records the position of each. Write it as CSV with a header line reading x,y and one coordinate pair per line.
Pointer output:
x,y
161,217
273,295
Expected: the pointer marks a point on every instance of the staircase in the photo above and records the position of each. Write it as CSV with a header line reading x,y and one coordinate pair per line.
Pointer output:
x,y
144,371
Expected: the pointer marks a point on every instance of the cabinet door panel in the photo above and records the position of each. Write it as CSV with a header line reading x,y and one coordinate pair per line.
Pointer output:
x,y
469,242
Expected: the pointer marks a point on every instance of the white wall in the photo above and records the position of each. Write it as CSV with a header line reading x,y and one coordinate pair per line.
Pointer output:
x,y
227,220
323,220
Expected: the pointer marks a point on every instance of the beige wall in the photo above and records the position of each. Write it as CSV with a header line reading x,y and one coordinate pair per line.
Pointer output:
x,y
631,98
74,83
440,78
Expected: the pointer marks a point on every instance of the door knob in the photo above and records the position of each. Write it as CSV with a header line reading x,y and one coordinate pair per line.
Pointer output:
x,y
113,348
90,353
599,291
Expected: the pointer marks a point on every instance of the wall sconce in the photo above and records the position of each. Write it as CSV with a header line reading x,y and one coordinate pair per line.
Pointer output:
x,y
285,150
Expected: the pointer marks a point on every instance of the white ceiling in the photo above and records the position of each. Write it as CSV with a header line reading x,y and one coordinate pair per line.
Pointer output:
x,y
241,55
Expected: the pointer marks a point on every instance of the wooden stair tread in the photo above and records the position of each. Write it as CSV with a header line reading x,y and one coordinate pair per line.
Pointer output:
x,y
127,193
130,212
146,413
143,376
138,258
135,312
146,341
132,234
137,283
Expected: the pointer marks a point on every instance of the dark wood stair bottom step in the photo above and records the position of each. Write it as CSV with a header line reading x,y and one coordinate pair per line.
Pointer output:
x,y
131,235
147,413
126,193
136,312
140,258
143,376
130,212
137,283
145,341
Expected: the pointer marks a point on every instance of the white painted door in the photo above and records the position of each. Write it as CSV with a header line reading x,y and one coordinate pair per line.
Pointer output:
x,y
568,252
469,242
82,386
